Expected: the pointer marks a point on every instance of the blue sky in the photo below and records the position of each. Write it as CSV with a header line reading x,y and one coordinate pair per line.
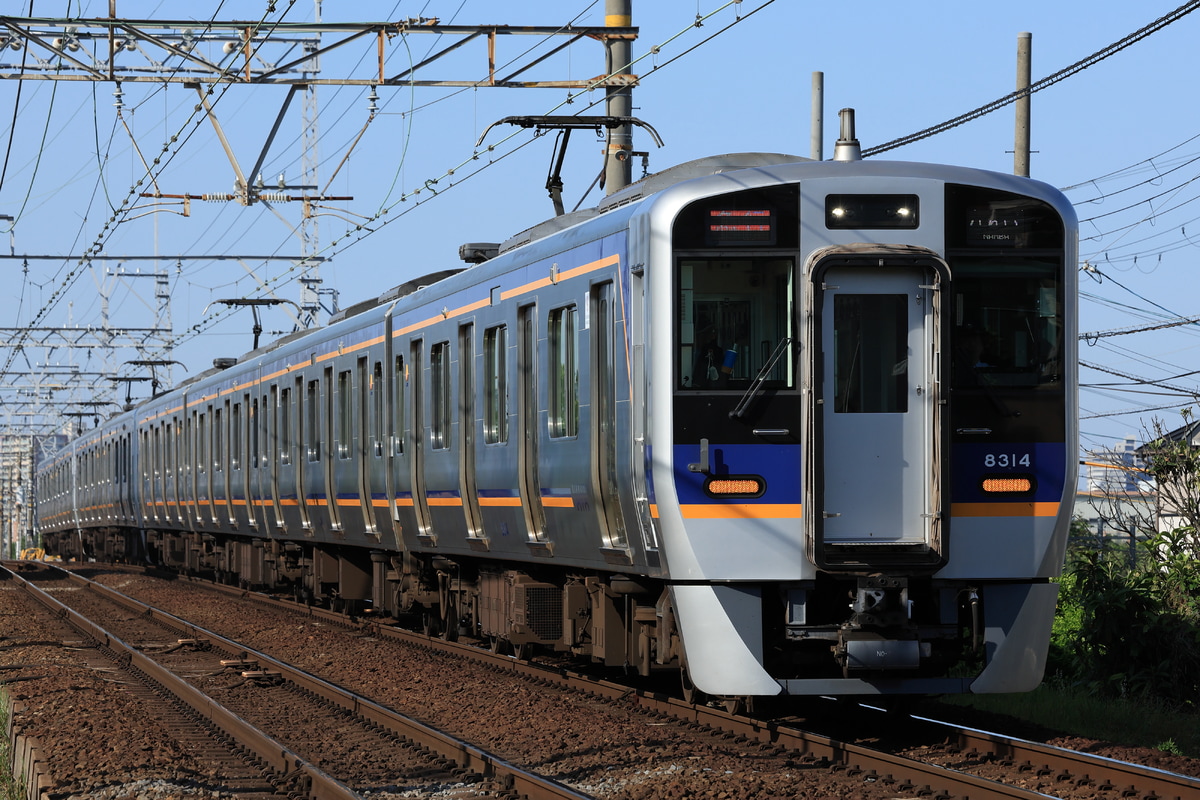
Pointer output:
x,y
1118,134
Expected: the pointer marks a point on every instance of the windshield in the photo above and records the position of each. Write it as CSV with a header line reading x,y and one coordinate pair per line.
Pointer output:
x,y
733,314
1008,325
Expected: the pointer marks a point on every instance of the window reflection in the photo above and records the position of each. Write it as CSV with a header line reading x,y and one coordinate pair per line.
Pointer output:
x,y
1007,324
870,353
733,313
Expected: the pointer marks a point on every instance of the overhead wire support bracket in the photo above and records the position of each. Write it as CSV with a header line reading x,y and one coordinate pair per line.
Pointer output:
x,y
570,123
173,51
554,184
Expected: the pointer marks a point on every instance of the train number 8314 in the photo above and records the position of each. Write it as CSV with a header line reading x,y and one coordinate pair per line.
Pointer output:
x,y
993,460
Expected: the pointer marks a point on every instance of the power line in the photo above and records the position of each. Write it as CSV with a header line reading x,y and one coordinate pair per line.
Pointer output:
x,y
1044,83
117,217
1140,381
12,129
437,186
1129,411
1092,337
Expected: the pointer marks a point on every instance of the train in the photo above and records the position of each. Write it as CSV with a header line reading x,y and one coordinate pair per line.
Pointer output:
x,y
781,426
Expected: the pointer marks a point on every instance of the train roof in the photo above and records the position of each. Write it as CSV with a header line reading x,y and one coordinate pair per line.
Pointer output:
x,y
651,184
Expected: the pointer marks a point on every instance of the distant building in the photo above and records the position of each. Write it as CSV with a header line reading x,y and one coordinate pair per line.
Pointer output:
x,y
1118,501
1116,470
19,454
1178,503
1120,517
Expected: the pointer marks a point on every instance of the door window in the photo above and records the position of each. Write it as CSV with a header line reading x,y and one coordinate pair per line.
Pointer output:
x,y
870,367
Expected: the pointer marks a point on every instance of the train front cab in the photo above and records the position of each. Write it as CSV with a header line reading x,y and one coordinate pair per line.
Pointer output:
x,y
871,461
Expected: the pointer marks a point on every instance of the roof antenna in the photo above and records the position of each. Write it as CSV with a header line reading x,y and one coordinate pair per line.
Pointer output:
x,y
847,148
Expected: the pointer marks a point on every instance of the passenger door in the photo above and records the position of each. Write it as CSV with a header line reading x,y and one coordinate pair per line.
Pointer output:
x,y
876,482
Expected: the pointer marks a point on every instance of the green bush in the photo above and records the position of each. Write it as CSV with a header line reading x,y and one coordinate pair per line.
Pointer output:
x,y
10,787
1131,629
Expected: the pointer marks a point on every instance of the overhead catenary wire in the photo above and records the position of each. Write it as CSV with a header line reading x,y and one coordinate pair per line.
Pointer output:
x,y
12,128
1093,270
1123,170
1037,86
365,230
1130,411
437,186
1135,381
96,248
415,199
1095,335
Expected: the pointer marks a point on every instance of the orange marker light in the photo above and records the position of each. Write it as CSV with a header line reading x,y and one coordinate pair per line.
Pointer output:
x,y
741,486
1008,484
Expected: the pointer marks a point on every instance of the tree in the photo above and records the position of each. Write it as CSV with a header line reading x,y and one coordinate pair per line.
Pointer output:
x,y
1128,622
1173,460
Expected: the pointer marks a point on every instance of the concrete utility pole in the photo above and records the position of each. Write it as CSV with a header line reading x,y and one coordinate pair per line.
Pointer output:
x,y
618,170
818,116
1024,69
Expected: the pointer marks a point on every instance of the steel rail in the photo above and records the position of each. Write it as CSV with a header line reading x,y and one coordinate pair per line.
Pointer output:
x,y
872,765
467,756
281,760
1128,780
1131,780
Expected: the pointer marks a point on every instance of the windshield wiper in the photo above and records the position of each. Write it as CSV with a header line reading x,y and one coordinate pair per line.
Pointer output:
x,y
751,392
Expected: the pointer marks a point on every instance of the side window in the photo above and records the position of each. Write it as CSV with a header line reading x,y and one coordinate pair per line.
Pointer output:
x,y
169,443
345,407
377,426
439,395
254,423
188,431
202,443
235,437
564,373
312,424
218,439
285,425
495,385
398,421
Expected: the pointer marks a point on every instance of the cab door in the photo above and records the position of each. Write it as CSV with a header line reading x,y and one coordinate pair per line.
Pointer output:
x,y
876,489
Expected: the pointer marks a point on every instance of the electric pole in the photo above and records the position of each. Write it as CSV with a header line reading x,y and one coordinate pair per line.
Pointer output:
x,y
618,170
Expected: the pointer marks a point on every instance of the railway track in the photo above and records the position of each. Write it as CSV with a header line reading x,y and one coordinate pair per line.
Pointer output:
x,y
1002,767
964,750
204,749
267,709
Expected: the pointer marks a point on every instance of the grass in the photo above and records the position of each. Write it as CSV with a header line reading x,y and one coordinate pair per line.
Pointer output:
x,y
1074,711
10,787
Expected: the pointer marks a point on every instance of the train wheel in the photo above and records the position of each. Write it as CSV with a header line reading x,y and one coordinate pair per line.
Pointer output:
x,y
739,705
430,622
691,695
449,622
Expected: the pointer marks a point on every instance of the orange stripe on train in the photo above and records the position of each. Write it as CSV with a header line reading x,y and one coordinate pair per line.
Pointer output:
x,y
1004,509
741,511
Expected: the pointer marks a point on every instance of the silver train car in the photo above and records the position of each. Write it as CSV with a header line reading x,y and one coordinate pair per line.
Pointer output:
x,y
783,426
